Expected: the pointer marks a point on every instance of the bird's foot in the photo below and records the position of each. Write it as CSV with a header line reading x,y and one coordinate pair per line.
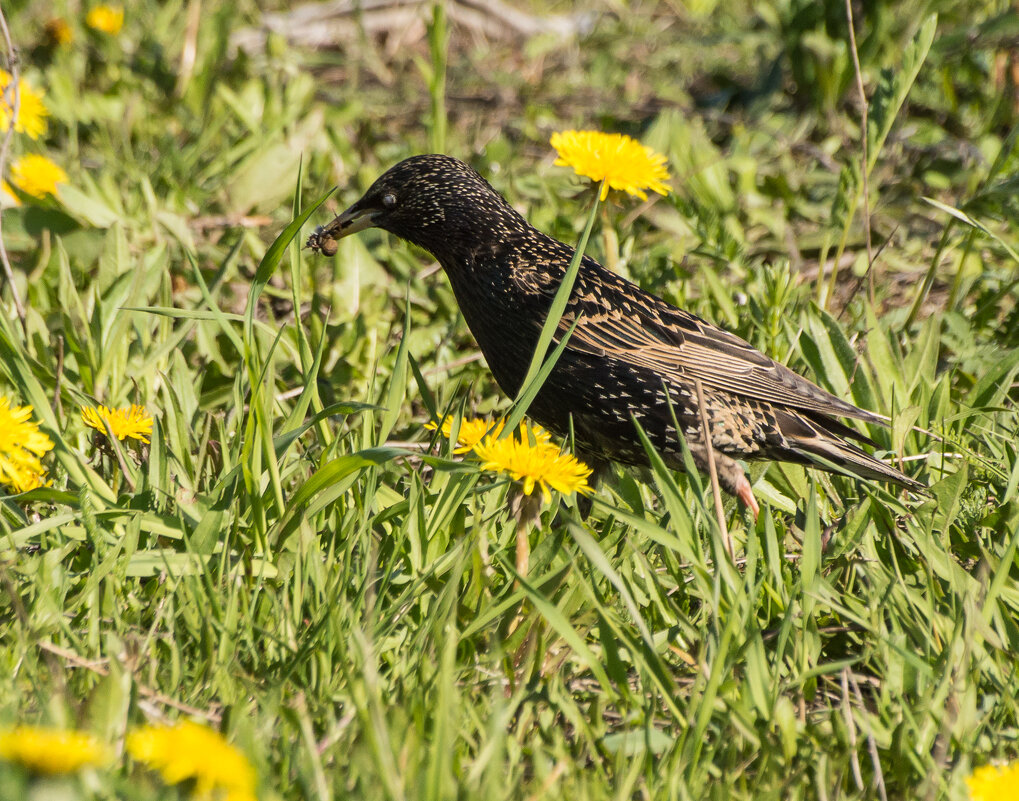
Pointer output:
x,y
746,495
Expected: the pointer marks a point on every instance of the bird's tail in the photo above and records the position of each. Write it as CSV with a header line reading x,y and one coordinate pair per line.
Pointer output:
x,y
821,443
847,457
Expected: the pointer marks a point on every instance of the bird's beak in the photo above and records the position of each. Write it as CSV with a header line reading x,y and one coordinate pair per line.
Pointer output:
x,y
349,222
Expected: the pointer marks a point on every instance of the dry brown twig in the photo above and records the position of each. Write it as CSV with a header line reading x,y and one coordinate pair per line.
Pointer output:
x,y
878,781
101,668
713,471
15,73
863,137
329,24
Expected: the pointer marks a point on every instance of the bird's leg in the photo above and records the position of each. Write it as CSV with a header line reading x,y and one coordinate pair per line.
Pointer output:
x,y
731,477
746,494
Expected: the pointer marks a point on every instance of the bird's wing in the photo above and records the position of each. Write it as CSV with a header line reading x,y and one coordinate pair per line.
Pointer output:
x,y
619,320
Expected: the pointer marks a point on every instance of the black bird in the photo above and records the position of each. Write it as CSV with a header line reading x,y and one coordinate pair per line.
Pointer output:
x,y
631,356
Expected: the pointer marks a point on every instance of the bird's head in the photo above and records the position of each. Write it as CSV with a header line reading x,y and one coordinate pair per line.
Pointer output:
x,y
434,201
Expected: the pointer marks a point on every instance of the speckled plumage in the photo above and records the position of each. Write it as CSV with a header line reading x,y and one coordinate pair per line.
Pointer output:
x,y
631,353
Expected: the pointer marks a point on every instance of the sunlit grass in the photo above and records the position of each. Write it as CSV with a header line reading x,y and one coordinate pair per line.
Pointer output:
x,y
294,560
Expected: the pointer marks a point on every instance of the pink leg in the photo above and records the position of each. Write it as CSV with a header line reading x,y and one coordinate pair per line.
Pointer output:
x,y
746,495
730,476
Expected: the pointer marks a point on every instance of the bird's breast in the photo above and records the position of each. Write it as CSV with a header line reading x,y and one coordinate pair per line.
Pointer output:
x,y
504,320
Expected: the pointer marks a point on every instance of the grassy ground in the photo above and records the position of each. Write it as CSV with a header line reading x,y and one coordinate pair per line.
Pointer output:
x,y
295,559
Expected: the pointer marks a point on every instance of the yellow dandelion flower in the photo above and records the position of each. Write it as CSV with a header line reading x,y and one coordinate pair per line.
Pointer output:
x,y
472,431
994,782
58,32
22,446
535,465
37,175
106,19
32,112
614,160
131,421
190,751
52,751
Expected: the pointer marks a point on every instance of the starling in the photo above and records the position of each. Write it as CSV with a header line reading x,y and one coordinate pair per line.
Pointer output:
x,y
632,356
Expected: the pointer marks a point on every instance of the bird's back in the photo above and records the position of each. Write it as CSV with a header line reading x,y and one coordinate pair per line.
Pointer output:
x,y
633,356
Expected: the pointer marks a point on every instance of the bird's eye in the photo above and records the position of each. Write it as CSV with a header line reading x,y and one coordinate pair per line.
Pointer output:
x,y
389,200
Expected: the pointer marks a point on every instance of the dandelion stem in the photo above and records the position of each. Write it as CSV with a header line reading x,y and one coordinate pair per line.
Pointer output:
x,y
523,548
